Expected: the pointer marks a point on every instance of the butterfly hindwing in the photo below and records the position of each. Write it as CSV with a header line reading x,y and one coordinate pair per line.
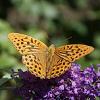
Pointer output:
x,y
58,67
35,64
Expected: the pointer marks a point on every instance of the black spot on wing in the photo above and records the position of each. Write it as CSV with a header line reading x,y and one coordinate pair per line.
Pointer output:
x,y
17,44
22,43
35,66
35,41
31,60
31,40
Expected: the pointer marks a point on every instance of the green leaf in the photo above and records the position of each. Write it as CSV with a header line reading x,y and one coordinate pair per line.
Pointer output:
x,y
5,27
97,40
97,98
6,61
78,27
3,80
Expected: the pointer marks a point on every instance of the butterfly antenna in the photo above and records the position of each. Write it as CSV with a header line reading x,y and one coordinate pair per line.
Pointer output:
x,y
63,40
50,41
69,38
66,39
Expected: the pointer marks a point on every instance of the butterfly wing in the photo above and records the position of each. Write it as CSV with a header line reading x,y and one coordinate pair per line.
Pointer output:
x,y
58,66
74,51
64,56
35,64
26,44
32,51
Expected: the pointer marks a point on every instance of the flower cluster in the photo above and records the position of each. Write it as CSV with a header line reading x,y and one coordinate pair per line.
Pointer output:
x,y
75,84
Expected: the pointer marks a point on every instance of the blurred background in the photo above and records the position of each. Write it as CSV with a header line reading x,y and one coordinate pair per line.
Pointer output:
x,y
51,21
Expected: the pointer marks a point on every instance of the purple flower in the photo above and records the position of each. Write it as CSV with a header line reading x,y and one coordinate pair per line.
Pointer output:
x,y
75,84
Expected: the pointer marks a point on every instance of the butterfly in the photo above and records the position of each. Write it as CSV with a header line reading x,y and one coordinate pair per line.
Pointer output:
x,y
47,62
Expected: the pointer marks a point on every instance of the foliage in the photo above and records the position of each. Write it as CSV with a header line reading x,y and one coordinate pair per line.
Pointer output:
x,y
52,21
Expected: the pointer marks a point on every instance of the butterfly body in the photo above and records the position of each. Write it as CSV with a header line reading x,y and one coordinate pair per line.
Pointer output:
x,y
47,62
49,56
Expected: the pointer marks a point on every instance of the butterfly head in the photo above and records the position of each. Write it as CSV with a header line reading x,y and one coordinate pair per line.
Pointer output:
x,y
51,49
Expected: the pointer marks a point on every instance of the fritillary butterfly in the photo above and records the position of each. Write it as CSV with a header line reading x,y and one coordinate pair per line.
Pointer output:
x,y
47,62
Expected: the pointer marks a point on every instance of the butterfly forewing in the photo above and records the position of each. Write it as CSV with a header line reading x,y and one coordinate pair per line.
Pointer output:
x,y
73,52
26,44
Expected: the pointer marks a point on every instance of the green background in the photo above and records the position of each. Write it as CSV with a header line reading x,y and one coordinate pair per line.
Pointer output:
x,y
51,21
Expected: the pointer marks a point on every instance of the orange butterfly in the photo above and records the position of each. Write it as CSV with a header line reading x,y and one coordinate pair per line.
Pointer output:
x,y
47,62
